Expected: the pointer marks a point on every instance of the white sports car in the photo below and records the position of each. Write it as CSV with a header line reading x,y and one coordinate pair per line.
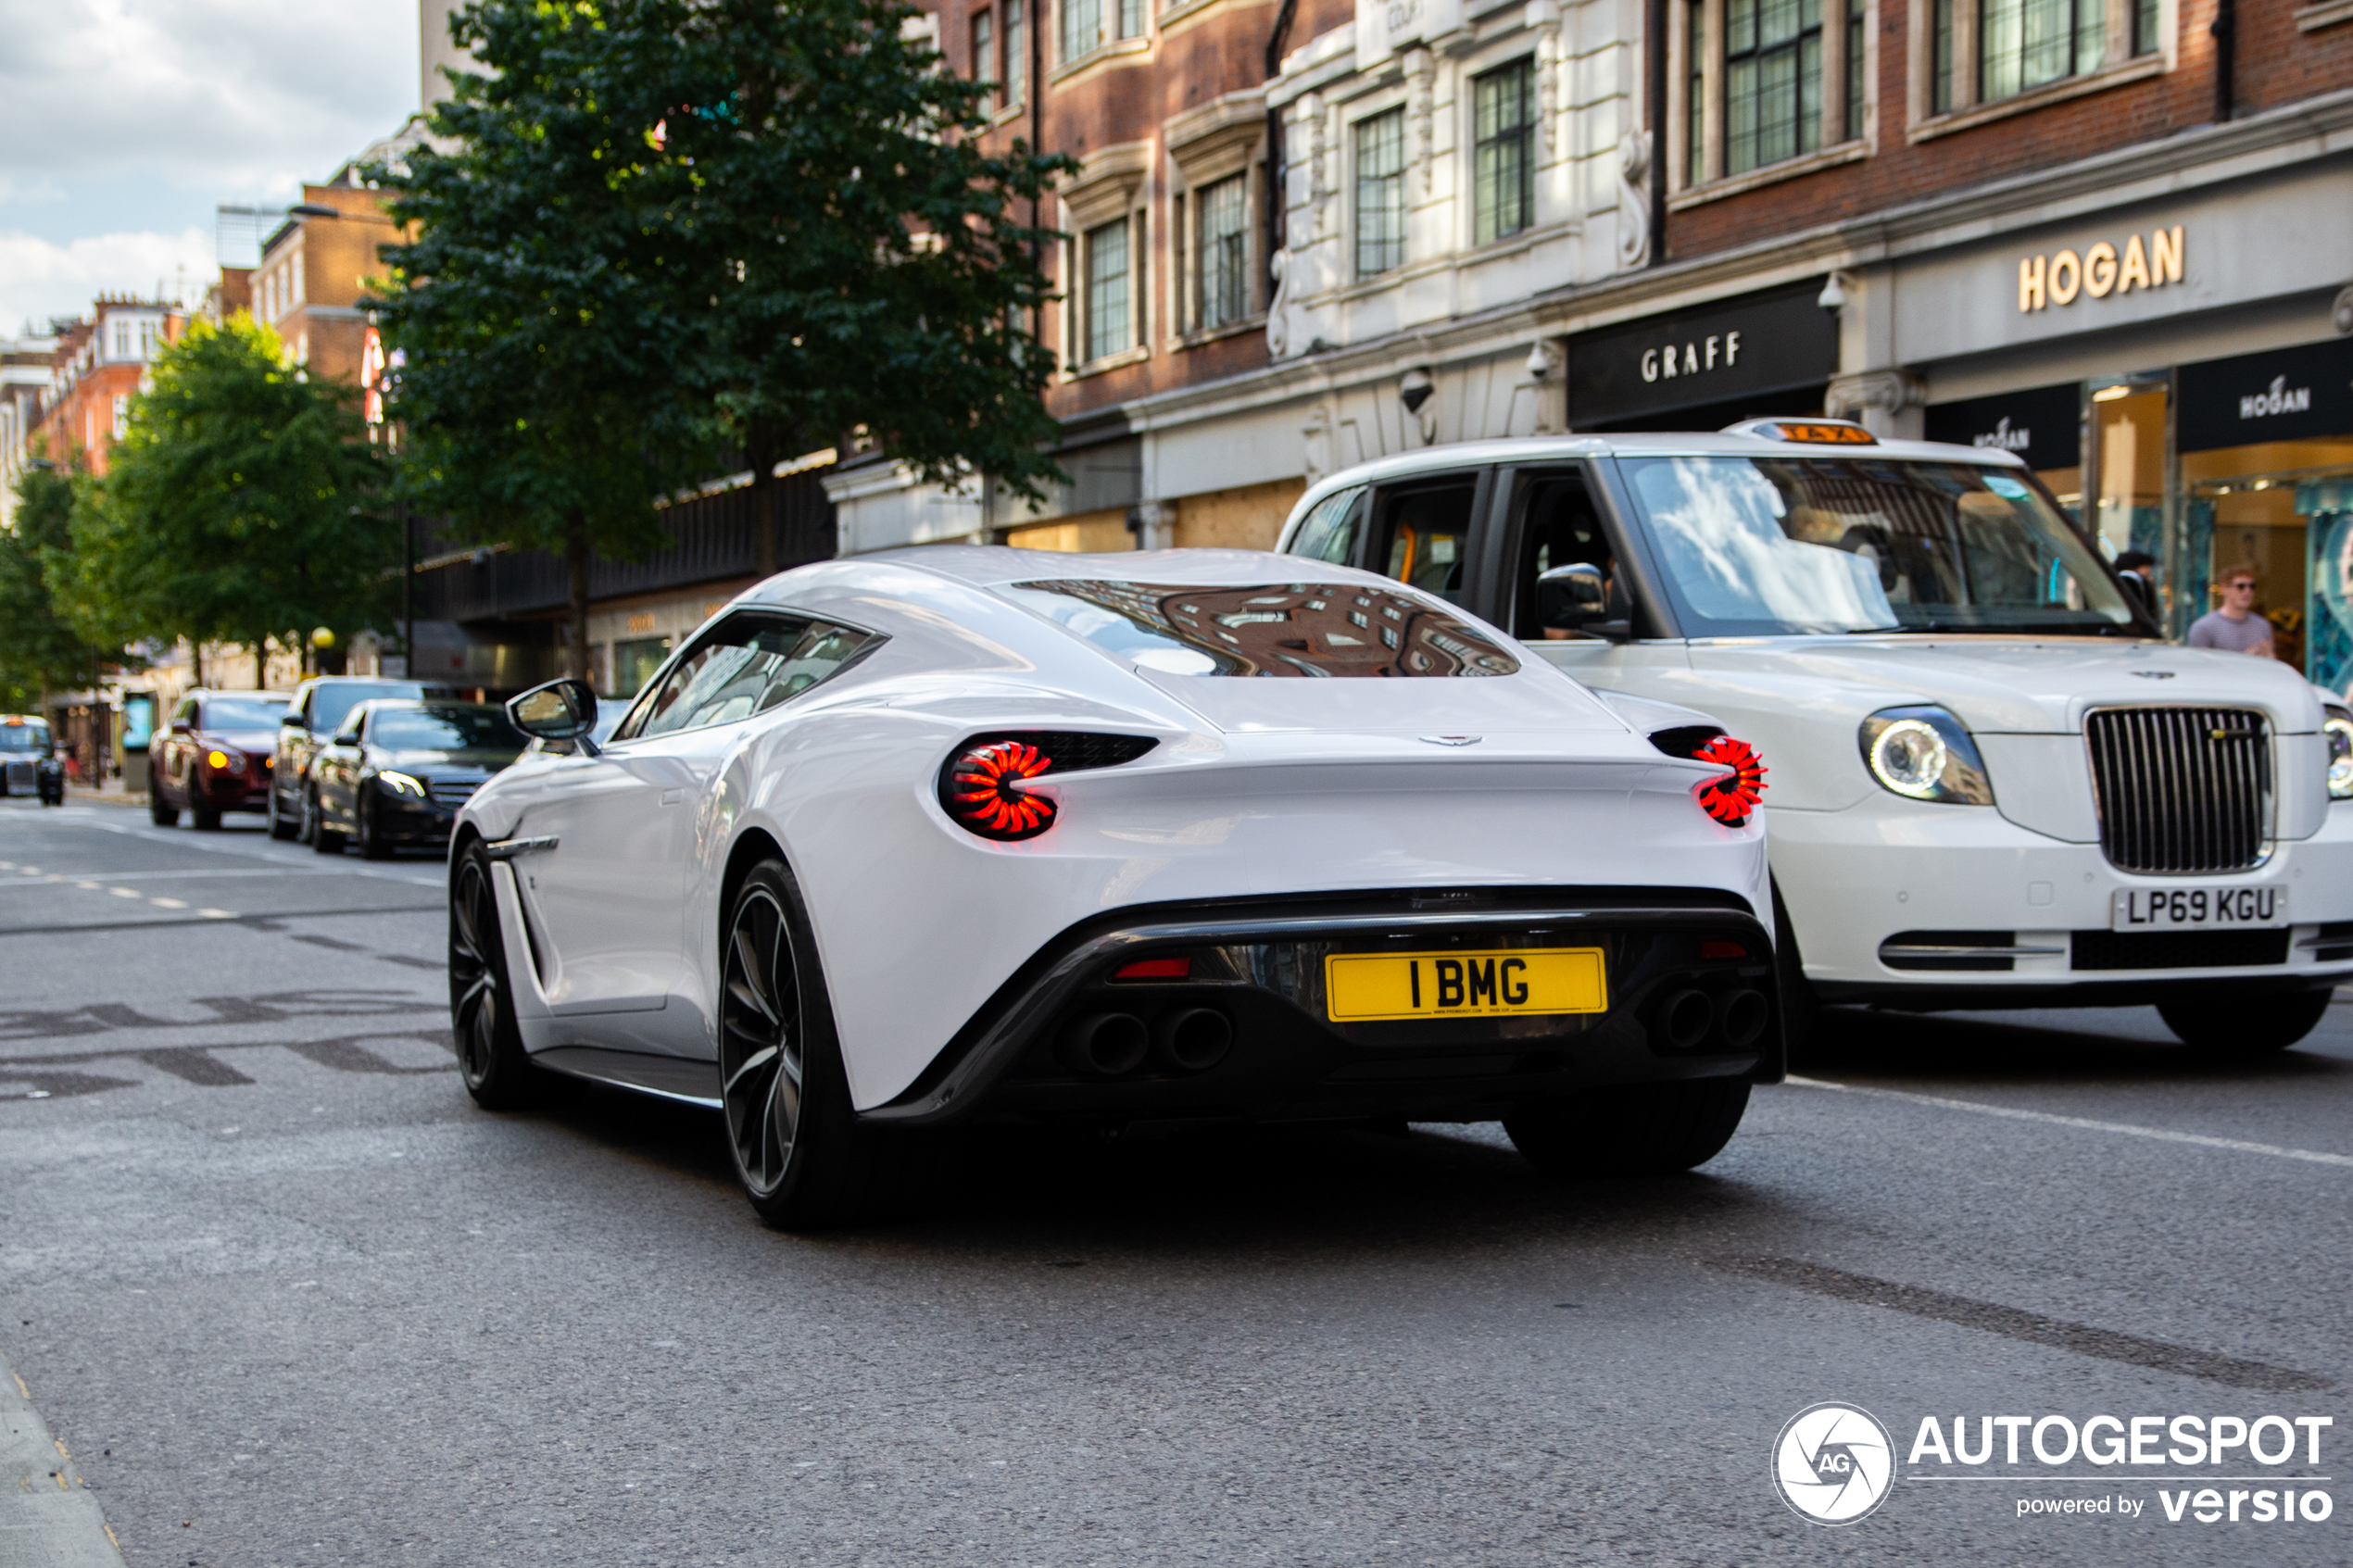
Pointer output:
x,y
1102,840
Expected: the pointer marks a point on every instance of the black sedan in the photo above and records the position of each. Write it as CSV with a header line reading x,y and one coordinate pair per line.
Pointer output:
x,y
397,771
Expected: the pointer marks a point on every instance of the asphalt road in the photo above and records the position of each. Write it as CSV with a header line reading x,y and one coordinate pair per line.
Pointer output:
x,y
284,1295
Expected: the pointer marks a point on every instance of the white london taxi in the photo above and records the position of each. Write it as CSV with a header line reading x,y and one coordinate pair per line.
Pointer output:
x,y
1991,783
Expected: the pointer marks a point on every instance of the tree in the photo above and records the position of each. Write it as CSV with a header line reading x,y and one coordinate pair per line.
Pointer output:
x,y
243,503
865,263
543,311
41,648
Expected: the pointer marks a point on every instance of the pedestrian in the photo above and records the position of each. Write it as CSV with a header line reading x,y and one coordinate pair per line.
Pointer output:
x,y
2235,626
2133,569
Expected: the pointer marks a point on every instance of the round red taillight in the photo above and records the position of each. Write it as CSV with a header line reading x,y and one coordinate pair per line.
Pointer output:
x,y
982,791
1731,798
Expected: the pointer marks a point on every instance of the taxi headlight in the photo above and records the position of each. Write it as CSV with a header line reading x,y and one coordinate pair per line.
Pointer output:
x,y
2337,729
1926,754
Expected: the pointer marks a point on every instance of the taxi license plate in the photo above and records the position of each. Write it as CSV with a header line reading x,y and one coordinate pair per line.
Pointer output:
x,y
1367,987
2198,909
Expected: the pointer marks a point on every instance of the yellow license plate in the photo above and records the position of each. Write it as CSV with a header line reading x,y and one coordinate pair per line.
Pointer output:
x,y
1362,987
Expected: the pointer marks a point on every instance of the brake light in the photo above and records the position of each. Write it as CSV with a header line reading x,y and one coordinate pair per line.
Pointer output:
x,y
1156,969
982,793
1730,799
980,787
1716,948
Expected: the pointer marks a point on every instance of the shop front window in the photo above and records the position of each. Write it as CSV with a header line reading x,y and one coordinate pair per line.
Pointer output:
x,y
2267,470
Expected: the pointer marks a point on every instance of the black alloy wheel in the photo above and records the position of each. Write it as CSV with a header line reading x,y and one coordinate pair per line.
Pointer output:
x,y
371,839
802,1160
280,825
324,840
2246,1026
206,818
498,1070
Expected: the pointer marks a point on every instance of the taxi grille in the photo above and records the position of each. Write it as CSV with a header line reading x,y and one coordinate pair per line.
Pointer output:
x,y
2181,789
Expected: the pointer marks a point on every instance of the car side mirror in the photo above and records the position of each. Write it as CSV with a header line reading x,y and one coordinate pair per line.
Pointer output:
x,y
291,721
181,727
561,710
1581,597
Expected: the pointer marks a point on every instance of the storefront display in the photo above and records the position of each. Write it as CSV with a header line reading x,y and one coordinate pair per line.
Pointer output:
x,y
1768,353
2266,443
2042,425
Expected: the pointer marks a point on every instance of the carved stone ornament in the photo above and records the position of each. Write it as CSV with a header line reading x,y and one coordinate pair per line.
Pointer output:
x,y
1544,16
1278,309
1633,200
1420,77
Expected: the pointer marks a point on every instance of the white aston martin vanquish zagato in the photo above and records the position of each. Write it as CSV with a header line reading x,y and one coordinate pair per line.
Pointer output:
x,y
1101,840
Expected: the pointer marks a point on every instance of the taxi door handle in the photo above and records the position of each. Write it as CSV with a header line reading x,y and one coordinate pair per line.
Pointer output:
x,y
671,796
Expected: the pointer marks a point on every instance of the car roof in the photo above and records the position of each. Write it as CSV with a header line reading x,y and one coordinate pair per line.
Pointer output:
x,y
996,566
1639,444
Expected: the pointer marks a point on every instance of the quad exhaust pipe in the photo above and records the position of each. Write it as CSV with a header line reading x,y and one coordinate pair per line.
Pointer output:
x,y
1113,1045
1738,1020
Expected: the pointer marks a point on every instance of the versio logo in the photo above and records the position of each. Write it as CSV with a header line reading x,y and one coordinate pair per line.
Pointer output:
x,y
1833,1463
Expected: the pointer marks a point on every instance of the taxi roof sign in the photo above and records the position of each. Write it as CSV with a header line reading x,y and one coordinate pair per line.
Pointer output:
x,y
1807,433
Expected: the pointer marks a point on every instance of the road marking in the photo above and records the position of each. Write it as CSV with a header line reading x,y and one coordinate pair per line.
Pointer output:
x,y
217,914
126,892
2277,1151
168,903
2012,1322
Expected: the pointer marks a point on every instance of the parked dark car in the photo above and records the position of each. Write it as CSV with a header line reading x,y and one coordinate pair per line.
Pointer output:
x,y
316,711
397,771
214,757
28,763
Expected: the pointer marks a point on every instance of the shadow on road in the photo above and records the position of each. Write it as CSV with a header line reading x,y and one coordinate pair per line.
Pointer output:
x,y
2091,1048
1298,1192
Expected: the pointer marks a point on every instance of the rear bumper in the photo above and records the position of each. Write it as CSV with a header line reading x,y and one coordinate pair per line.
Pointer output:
x,y
1258,964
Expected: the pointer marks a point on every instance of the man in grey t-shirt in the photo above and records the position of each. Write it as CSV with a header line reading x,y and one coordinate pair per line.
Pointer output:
x,y
2235,626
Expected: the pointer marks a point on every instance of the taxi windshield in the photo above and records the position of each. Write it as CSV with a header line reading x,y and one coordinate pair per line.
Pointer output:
x,y
24,737
1768,546
1311,629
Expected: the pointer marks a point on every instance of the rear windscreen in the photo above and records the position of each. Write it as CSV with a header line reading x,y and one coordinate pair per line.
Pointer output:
x,y
1312,629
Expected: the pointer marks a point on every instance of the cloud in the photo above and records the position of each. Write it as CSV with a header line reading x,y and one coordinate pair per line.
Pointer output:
x,y
229,97
41,278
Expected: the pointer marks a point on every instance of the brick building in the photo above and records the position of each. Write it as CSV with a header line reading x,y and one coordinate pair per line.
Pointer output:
x,y
1305,234
2113,235
99,364
313,274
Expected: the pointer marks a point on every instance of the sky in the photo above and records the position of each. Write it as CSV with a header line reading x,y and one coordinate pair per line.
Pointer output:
x,y
129,121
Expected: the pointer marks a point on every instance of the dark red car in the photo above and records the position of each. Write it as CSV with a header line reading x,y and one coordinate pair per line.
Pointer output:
x,y
214,757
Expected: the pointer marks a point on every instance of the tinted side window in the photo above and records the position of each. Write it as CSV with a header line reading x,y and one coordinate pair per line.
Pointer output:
x,y
1329,534
1558,526
1424,536
186,712
745,665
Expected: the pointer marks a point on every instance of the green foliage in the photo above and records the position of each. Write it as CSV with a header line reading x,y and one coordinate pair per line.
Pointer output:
x,y
543,310
242,503
867,264
667,224
42,649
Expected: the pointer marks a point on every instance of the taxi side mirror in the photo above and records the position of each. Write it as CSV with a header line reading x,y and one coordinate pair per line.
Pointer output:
x,y
561,710
1579,597
291,721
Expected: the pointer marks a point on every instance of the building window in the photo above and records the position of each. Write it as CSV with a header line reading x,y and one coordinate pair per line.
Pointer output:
x,y
984,50
2027,43
1016,51
1381,193
1108,317
1984,51
1131,18
1695,94
1503,181
122,414
1856,43
1082,27
1772,82
299,295
1223,213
